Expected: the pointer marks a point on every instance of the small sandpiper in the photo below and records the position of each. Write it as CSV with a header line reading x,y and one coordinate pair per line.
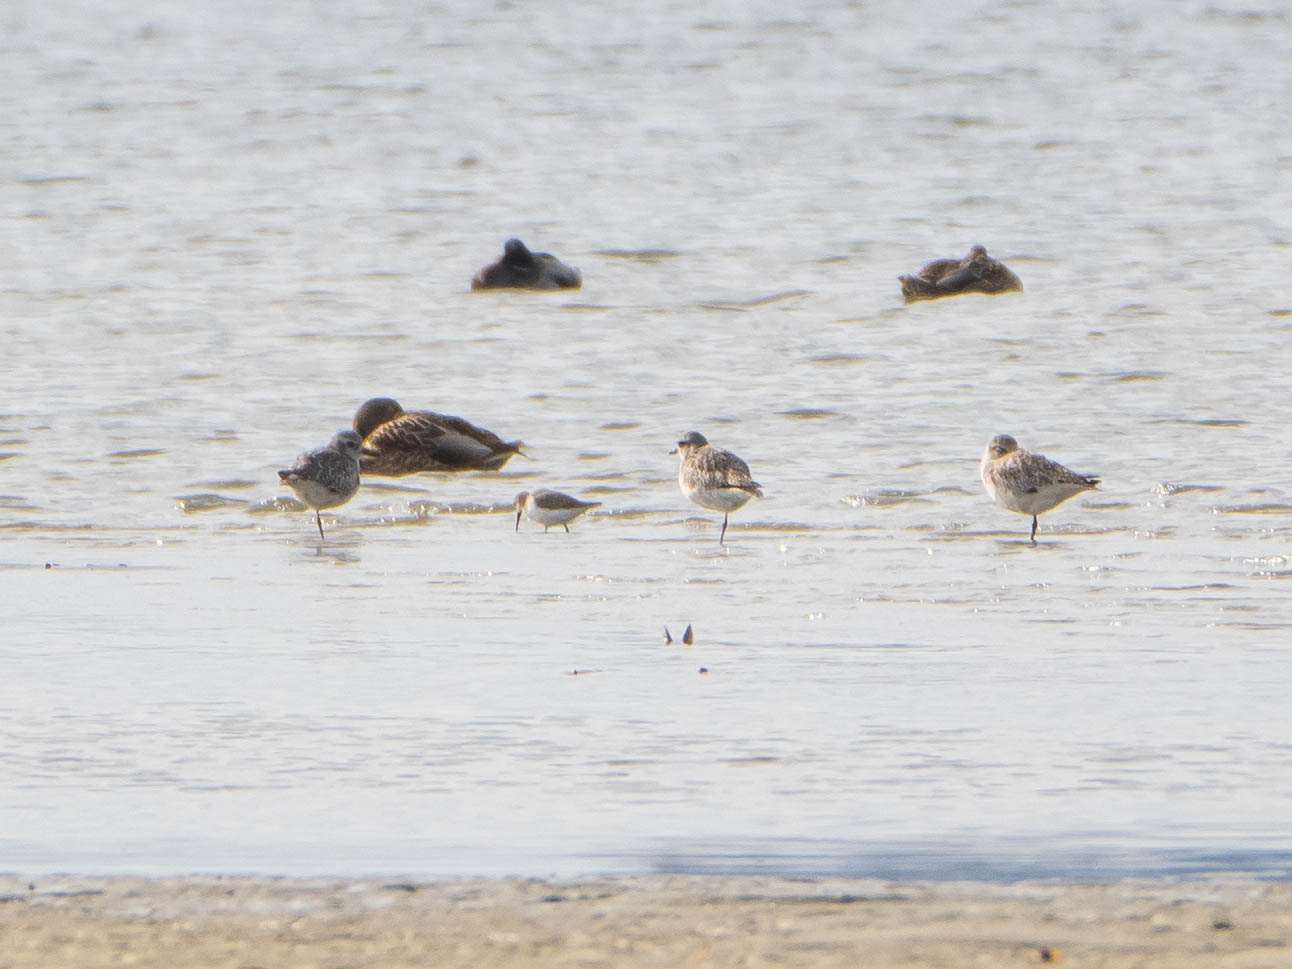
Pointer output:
x,y
1028,483
713,478
404,442
327,477
550,508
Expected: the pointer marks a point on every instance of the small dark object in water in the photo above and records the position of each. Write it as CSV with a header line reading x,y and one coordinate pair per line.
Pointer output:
x,y
704,669
668,637
687,637
976,273
1222,925
521,269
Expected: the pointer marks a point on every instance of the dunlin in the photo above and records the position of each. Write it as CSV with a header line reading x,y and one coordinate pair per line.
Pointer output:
x,y
328,476
550,508
713,478
1027,483
404,442
975,273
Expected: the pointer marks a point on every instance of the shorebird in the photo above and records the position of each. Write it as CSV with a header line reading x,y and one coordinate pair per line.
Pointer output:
x,y
327,477
521,269
398,442
713,478
550,508
975,273
1027,483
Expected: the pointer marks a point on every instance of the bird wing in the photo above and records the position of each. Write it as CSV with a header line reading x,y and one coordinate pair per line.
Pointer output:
x,y
464,427
424,433
997,278
323,465
406,432
934,271
722,469
557,499
308,464
960,278
1026,473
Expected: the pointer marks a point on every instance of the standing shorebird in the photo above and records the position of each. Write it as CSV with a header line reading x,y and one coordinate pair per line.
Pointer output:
x,y
1027,483
327,477
398,442
713,478
550,508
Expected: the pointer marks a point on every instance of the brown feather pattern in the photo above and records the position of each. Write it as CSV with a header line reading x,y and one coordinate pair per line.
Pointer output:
x,y
721,469
412,441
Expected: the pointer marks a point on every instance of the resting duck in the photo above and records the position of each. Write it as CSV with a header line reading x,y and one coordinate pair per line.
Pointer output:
x,y
975,273
396,441
521,269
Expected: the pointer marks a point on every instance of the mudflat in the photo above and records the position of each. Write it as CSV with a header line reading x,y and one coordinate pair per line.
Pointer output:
x,y
653,921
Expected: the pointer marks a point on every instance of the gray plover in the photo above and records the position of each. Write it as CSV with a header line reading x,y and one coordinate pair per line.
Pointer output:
x,y
405,442
327,477
975,273
713,478
550,508
1027,483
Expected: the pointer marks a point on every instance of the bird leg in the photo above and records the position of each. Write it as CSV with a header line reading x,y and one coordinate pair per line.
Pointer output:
x,y
1033,529
319,519
722,533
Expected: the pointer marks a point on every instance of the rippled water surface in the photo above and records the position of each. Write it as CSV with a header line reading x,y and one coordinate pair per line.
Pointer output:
x,y
223,230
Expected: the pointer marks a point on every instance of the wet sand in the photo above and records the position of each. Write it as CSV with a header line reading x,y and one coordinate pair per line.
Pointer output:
x,y
671,922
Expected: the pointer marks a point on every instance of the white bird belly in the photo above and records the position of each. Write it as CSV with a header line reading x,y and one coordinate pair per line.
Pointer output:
x,y
1035,502
719,499
317,495
551,516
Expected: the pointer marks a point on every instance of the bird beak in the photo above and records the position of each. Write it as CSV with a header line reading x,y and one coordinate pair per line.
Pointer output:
x,y
368,452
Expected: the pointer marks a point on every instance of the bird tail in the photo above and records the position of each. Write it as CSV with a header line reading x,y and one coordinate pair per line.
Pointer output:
x,y
503,454
914,288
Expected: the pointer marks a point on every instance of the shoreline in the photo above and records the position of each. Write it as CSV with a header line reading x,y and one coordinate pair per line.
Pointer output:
x,y
667,921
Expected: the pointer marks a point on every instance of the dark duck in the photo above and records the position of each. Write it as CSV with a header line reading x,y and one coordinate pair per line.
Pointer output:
x,y
975,273
521,269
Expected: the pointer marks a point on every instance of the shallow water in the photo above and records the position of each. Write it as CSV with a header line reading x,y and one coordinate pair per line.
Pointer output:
x,y
222,235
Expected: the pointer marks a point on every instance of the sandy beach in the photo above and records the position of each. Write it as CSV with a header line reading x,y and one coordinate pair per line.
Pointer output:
x,y
672,922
